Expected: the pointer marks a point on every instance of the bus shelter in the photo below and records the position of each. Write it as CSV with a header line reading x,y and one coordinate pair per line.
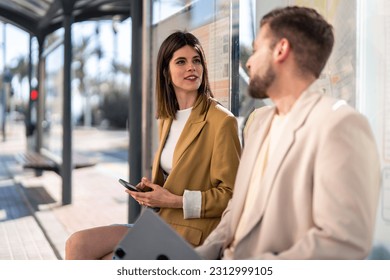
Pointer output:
x,y
40,18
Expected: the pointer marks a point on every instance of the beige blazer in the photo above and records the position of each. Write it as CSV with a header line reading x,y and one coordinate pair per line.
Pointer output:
x,y
319,192
206,159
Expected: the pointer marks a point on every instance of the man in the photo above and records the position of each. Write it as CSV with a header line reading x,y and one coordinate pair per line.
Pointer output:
x,y
308,182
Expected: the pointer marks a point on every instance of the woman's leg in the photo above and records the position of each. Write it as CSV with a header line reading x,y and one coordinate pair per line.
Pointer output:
x,y
94,243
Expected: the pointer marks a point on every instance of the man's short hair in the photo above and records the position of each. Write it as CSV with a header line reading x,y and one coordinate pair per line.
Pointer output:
x,y
309,34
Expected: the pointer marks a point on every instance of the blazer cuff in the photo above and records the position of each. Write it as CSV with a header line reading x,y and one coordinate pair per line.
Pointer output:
x,y
192,204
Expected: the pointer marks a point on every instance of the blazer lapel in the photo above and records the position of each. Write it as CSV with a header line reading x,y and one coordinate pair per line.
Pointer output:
x,y
165,127
296,119
192,128
256,135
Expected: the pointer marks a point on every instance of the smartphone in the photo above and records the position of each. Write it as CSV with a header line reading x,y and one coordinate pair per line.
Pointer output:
x,y
129,186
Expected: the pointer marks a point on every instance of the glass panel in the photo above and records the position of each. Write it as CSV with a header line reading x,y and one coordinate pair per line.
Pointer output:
x,y
212,23
216,24
52,126
163,9
100,91
248,30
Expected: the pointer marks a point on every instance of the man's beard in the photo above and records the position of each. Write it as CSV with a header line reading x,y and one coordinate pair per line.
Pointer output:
x,y
258,86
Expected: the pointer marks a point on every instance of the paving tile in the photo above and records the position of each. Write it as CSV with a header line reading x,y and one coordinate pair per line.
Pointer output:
x,y
33,223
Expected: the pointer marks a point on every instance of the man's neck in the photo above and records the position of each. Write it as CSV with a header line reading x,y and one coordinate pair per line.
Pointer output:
x,y
285,95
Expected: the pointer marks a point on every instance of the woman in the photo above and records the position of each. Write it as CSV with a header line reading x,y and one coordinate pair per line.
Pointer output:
x,y
196,162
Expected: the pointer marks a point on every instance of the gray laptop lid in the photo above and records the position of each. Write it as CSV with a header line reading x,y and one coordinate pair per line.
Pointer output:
x,y
151,238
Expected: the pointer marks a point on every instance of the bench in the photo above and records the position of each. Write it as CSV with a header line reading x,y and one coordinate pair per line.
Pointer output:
x,y
46,161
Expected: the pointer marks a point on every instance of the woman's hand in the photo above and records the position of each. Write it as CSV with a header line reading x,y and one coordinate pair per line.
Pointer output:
x,y
157,197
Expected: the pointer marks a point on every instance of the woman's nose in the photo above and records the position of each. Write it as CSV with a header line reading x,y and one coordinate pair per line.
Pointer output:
x,y
191,67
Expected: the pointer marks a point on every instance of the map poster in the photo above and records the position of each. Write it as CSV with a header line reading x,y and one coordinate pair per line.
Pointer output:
x,y
215,40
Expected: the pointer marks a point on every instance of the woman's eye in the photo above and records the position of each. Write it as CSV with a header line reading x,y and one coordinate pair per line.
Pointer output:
x,y
180,62
197,61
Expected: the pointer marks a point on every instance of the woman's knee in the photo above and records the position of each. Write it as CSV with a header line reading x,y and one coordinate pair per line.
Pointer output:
x,y
94,243
76,245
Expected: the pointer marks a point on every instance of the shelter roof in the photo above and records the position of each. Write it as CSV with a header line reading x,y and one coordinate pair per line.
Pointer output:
x,y
42,17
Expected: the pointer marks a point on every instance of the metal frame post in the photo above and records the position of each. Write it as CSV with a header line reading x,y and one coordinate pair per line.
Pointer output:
x,y
67,164
135,106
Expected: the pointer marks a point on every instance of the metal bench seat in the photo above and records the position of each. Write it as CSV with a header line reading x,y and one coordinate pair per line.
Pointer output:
x,y
50,162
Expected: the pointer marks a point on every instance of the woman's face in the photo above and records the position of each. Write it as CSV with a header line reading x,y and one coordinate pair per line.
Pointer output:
x,y
186,70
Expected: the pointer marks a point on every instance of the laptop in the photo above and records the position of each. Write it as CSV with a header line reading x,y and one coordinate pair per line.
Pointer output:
x,y
152,238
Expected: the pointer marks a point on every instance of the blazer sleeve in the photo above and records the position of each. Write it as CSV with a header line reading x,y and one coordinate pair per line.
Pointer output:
x,y
224,164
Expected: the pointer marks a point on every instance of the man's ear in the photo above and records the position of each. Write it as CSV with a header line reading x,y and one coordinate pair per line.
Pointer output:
x,y
282,50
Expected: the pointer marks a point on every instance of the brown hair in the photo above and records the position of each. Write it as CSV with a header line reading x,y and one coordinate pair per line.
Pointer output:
x,y
310,36
167,104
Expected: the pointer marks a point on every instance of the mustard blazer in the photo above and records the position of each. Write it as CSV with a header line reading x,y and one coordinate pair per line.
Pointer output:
x,y
319,192
206,159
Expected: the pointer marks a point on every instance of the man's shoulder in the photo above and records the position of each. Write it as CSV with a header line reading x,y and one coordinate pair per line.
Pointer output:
x,y
333,112
329,105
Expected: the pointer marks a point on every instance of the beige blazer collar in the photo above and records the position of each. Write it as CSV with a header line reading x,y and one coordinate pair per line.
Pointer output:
x,y
256,136
297,117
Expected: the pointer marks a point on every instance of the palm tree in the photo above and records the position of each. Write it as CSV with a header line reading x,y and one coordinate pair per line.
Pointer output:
x,y
81,54
20,69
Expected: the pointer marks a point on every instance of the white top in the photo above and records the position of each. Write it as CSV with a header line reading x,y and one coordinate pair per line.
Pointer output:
x,y
173,136
192,200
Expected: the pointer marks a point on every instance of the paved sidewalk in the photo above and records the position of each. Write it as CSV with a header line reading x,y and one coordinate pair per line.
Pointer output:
x,y
33,223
